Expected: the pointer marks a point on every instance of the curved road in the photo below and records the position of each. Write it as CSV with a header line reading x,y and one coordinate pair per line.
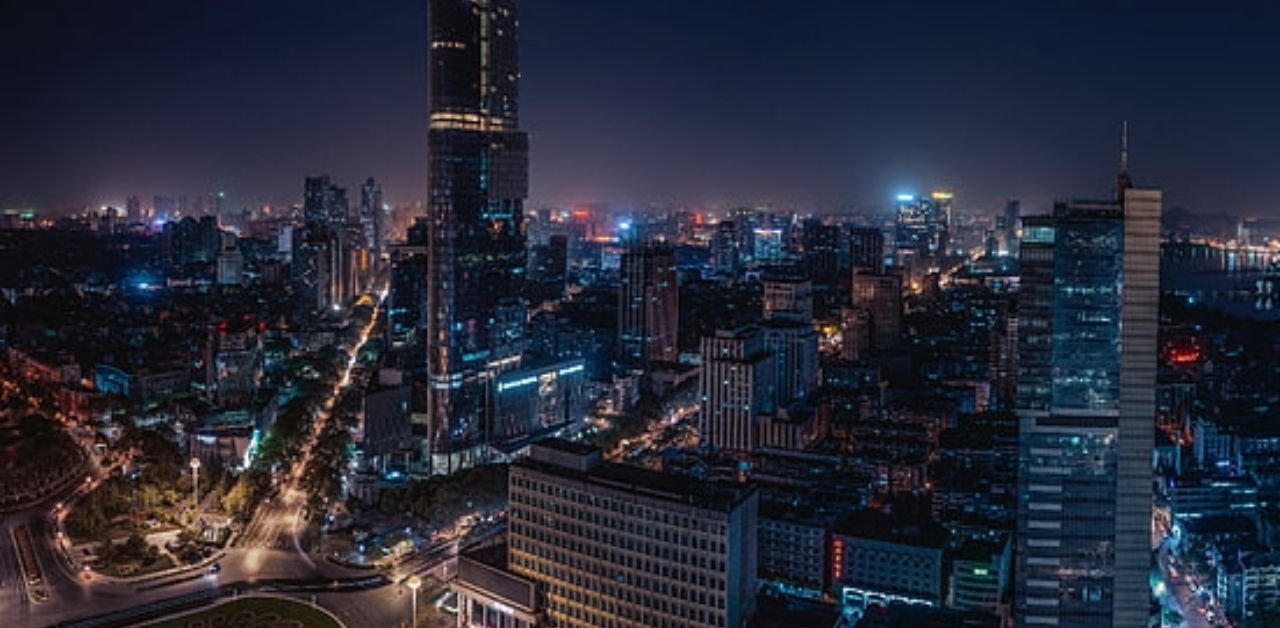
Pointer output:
x,y
269,549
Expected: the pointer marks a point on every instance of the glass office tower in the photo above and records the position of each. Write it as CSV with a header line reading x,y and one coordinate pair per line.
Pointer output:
x,y
478,180
1086,401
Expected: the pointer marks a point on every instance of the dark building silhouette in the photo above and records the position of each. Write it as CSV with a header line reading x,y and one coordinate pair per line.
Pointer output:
x,y
478,180
866,249
648,306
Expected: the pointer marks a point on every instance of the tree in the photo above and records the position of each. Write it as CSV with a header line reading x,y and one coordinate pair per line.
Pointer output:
x,y
135,546
238,501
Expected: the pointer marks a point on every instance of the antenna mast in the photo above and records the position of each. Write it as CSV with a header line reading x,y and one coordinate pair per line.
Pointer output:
x,y
1124,147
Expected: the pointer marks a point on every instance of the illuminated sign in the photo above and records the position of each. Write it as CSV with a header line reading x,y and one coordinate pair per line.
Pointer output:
x,y
523,381
545,377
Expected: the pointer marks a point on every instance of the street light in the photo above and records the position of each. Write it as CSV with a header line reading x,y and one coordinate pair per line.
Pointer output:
x,y
414,582
195,482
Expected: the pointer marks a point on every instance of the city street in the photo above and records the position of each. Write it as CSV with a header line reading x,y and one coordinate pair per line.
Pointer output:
x,y
269,549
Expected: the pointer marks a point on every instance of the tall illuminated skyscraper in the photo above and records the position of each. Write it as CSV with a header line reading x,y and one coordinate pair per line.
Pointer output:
x,y
478,180
920,235
1088,317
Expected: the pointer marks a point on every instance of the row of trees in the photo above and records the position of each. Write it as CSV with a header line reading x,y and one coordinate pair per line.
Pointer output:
x,y
313,378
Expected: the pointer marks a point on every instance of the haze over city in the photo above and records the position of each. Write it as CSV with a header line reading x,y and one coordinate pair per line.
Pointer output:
x,y
839,105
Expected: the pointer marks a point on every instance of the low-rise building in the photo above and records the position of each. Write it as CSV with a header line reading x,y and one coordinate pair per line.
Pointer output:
x,y
878,557
491,596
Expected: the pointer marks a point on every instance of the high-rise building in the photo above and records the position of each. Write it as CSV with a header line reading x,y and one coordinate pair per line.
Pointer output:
x,y
133,209
230,260
737,384
920,237
946,212
315,199
767,244
371,215
217,204
788,298
881,296
794,346
191,241
866,249
478,180
324,203
726,249
1008,224
316,269
614,545
648,306
407,299
1087,322
549,269
855,333
821,245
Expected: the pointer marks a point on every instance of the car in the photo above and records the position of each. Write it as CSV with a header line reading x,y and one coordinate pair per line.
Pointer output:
x,y
215,568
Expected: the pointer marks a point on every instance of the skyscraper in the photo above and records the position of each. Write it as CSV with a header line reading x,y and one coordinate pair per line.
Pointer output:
x,y
316,199
1087,322
866,249
407,299
1007,224
821,251
794,346
881,297
478,180
921,230
726,249
648,306
371,215
738,383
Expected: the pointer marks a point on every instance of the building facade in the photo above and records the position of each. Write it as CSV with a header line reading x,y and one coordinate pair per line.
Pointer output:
x,y
738,383
1086,402
478,180
612,545
648,306
881,297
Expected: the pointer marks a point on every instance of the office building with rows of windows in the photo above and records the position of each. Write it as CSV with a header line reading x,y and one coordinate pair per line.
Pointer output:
x,y
612,545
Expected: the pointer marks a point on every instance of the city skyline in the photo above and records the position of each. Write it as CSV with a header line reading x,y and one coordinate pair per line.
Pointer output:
x,y
878,101
944,407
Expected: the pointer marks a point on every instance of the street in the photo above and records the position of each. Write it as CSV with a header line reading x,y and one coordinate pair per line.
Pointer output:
x,y
268,550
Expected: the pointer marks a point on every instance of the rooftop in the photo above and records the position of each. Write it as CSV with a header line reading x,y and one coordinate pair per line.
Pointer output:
x,y
557,457
893,528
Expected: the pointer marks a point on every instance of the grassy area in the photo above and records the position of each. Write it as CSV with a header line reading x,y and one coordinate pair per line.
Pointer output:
x,y
254,611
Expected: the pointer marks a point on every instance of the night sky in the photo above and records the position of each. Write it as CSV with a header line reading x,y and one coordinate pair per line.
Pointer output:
x,y
823,104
